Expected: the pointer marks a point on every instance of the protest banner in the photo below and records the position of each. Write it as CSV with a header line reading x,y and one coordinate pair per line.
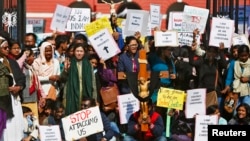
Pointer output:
x,y
78,18
186,38
155,15
128,104
201,126
195,102
170,98
104,44
136,20
240,40
175,21
82,123
60,18
50,133
97,25
221,32
168,38
193,18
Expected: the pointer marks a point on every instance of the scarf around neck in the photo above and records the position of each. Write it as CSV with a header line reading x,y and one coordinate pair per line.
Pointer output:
x,y
73,95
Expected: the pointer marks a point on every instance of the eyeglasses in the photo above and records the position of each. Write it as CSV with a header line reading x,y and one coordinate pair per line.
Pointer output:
x,y
133,45
5,48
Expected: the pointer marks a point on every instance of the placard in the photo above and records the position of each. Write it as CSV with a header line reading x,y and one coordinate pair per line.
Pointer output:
x,y
168,38
240,40
201,126
221,31
186,38
82,123
155,15
60,18
175,21
50,133
78,18
104,44
97,25
37,25
170,98
195,102
128,104
193,18
136,20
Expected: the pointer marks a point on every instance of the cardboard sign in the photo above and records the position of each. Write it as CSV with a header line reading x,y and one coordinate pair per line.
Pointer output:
x,y
170,98
195,102
201,126
221,31
136,20
104,44
168,38
97,25
128,104
50,133
240,40
175,21
60,18
186,38
82,123
155,16
78,18
194,17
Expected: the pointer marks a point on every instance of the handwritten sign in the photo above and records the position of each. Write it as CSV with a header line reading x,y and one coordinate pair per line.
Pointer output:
x,y
240,40
221,31
186,38
97,25
194,17
195,102
128,104
104,44
168,38
82,124
136,20
60,18
50,133
201,126
78,18
155,15
175,21
170,98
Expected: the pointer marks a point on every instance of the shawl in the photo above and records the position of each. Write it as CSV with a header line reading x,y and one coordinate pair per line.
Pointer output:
x,y
241,69
73,96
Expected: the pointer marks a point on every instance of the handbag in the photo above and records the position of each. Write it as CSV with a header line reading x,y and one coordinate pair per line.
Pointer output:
x,y
211,97
109,94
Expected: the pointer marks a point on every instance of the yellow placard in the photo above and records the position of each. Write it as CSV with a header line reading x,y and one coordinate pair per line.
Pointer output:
x,y
97,26
170,98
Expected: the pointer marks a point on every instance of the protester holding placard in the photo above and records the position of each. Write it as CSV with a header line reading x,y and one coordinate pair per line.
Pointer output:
x,y
88,102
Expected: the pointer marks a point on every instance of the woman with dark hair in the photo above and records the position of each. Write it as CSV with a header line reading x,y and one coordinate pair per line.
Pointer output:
x,y
214,110
242,116
79,79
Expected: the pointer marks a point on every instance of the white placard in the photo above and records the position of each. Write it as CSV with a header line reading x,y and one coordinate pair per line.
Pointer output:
x,y
175,21
221,31
194,17
195,102
240,40
155,15
50,133
78,18
104,44
186,38
136,20
60,18
168,38
29,28
128,104
201,126
82,124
